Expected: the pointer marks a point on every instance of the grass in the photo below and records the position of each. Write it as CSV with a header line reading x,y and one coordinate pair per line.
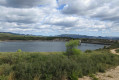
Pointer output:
x,y
93,77
43,53
114,45
54,65
117,51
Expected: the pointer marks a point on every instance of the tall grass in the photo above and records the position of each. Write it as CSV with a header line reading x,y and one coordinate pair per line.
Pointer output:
x,y
117,51
37,66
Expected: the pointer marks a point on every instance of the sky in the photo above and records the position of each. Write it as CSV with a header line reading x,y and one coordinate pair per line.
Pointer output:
x,y
55,17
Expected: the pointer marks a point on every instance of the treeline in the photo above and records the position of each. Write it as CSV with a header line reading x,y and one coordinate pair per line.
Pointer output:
x,y
99,41
33,38
6,36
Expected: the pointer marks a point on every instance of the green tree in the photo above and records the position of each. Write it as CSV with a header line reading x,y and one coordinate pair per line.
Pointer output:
x,y
19,50
71,47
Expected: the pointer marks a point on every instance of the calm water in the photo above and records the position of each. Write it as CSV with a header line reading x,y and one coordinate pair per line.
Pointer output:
x,y
42,46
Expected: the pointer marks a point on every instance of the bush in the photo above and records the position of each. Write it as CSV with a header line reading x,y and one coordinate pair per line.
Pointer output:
x,y
71,47
93,77
117,51
88,51
3,77
19,50
5,69
114,45
74,76
76,51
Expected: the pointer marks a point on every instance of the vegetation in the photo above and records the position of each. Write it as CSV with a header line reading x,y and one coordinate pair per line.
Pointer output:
x,y
117,51
55,65
8,36
71,48
88,51
93,77
19,50
11,36
98,41
114,45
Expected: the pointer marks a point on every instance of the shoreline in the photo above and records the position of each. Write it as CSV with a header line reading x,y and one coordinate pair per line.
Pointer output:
x,y
55,41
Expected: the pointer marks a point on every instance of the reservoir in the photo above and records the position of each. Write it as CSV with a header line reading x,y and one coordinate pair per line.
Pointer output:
x,y
42,46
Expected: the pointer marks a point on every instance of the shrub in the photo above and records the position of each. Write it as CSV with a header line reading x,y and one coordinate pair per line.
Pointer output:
x,y
5,69
93,77
117,51
74,76
88,51
71,47
114,45
3,77
19,50
76,51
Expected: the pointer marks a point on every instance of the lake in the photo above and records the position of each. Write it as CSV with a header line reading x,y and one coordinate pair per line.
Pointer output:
x,y
42,46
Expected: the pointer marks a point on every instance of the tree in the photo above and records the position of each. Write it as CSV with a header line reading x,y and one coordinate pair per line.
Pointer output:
x,y
19,50
71,47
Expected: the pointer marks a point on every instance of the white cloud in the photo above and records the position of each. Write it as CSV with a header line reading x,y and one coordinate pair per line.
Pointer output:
x,y
43,16
27,3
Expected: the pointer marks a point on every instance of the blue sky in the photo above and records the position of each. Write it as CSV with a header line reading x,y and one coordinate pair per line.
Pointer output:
x,y
54,17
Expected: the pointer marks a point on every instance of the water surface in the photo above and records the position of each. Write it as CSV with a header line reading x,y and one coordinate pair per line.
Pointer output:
x,y
42,46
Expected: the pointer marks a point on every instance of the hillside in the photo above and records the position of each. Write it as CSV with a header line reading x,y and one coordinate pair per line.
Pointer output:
x,y
89,37
66,37
14,36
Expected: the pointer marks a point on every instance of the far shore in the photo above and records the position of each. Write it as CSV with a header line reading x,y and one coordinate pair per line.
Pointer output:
x,y
28,40
56,41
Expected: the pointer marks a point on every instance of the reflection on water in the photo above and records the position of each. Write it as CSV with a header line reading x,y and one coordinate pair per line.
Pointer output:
x,y
42,46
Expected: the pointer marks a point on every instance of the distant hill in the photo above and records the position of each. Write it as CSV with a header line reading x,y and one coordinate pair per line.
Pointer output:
x,y
88,37
64,37
14,36
8,35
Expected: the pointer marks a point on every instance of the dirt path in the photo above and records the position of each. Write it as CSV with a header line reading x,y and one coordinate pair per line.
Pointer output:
x,y
112,74
114,51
